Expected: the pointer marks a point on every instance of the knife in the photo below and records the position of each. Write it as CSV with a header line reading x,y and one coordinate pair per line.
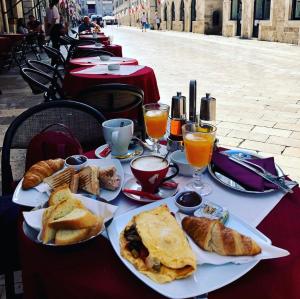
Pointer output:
x,y
142,194
266,175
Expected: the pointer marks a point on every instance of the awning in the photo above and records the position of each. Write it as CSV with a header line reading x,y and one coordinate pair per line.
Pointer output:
x,y
91,2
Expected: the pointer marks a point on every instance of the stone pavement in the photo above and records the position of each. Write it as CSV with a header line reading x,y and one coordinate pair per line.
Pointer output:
x,y
256,85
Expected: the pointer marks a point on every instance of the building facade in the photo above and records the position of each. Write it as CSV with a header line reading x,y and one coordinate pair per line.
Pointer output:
x,y
270,20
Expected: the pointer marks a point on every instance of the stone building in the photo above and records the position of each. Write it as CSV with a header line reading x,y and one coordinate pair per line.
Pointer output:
x,y
270,20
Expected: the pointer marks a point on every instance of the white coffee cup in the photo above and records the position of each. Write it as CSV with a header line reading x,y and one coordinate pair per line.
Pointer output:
x,y
118,133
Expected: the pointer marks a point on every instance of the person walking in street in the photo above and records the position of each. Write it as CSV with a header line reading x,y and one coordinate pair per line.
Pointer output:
x,y
157,20
144,22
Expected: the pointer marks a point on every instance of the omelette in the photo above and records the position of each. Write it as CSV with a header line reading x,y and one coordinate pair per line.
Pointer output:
x,y
156,245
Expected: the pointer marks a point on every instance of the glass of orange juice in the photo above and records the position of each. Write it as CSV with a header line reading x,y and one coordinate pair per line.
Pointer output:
x,y
198,145
156,120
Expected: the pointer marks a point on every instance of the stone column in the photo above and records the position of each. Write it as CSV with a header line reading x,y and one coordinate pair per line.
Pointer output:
x,y
247,18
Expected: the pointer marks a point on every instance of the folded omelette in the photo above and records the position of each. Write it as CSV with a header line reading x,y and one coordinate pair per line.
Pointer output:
x,y
156,245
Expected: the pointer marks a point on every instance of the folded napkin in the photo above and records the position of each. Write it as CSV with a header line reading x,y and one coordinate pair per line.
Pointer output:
x,y
244,176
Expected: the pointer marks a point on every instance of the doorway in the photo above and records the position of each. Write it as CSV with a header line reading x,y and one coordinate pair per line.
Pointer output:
x,y
182,14
166,15
172,14
236,15
261,12
193,14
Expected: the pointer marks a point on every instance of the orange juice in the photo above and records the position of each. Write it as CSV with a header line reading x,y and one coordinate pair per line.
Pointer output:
x,y
156,123
198,148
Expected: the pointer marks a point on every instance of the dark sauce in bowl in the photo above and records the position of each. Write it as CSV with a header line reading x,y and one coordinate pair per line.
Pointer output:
x,y
189,199
76,160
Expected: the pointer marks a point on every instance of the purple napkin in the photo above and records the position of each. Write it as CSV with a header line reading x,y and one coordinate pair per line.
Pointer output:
x,y
244,176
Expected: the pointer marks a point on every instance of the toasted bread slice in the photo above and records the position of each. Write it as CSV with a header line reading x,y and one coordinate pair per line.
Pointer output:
x,y
60,194
88,180
55,212
48,233
61,178
74,184
76,219
71,236
108,178
96,228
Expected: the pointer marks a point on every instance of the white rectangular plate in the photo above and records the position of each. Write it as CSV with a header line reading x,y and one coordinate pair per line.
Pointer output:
x,y
206,278
33,198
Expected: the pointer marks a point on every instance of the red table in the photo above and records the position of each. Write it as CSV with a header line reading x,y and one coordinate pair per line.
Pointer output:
x,y
145,79
114,49
92,270
92,61
5,44
100,37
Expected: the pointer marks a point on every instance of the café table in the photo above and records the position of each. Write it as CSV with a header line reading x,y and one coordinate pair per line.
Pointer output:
x,y
143,78
5,44
114,49
92,269
14,37
101,38
92,61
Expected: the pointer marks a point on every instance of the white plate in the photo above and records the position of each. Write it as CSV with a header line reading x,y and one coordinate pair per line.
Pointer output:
x,y
206,278
33,198
137,147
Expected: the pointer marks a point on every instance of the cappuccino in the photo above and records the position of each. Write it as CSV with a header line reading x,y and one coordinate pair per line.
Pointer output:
x,y
149,163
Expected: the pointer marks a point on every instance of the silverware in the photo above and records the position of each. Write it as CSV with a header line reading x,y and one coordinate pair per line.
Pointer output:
x,y
142,143
278,181
128,155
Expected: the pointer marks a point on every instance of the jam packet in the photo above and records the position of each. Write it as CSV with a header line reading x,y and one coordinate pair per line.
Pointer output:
x,y
212,211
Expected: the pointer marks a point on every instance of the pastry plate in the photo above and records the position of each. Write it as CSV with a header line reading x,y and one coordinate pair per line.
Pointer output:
x,y
33,198
134,151
132,184
228,182
207,278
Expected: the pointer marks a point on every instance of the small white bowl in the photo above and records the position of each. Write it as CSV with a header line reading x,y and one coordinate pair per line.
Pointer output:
x,y
104,57
77,166
179,158
113,67
185,209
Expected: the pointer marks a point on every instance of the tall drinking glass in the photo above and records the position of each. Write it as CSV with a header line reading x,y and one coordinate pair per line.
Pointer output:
x,y
156,120
198,144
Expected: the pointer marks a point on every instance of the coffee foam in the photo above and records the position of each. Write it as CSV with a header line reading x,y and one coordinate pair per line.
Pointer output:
x,y
149,163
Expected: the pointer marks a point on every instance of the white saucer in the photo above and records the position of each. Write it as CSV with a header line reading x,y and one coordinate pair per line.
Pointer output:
x,y
134,185
138,148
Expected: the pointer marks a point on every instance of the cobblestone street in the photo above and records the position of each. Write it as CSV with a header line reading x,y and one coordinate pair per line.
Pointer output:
x,y
256,85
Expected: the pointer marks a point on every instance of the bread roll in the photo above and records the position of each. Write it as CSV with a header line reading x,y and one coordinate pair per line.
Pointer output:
x,y
213,236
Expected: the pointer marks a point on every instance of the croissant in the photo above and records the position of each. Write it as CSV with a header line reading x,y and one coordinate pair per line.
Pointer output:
x,y
213,236
39,171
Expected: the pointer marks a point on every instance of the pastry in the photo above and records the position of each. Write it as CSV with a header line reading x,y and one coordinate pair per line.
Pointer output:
x,y
108,178
39,171
213,236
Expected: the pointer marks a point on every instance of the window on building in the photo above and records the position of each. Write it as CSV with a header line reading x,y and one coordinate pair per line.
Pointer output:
x,y
165,13
181,10
262,9
193,10
173,11
296,10
234,9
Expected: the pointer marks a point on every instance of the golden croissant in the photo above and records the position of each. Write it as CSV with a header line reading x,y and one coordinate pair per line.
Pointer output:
x,y
213,236
39,171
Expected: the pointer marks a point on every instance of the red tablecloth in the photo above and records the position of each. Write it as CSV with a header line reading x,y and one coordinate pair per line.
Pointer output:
x,y
144,79
14,37
114,49
92,61
100,37
92,270
5,44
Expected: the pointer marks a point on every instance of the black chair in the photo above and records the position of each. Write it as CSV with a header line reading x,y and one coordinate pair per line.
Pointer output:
x,y
117,100
45,68
90,53
84,121
40,82
57,59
